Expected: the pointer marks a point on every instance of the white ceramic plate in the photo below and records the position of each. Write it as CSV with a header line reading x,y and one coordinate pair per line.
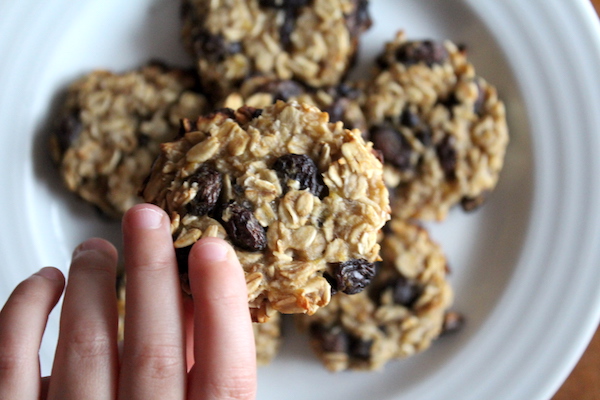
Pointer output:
x,y
526,265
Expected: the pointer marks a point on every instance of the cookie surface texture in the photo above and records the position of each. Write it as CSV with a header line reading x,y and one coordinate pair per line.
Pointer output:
x,y
312,41
441,128
399,315
342,102
300,199
110,128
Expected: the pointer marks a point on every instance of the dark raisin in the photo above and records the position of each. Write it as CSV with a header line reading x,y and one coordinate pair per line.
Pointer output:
x,y
243,228
395,147
347,91
448,157
353,276
214,47
410,119
68,129
453,322
405,292
209,183
382,61
301,168
283,3
331,340
450,102
143,140
227,112
359,349
337,109
427,51
290,9
281,89
246,113
472,203
360,20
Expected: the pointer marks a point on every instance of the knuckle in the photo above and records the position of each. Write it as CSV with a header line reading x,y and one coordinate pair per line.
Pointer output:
x,y
159,361
156,265
90,342
238,386
12,358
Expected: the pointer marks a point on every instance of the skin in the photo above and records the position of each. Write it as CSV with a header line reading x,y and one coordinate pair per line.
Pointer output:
x,y
164,334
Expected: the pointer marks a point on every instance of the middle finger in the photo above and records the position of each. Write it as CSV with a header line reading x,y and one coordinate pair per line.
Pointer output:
x,y
153,364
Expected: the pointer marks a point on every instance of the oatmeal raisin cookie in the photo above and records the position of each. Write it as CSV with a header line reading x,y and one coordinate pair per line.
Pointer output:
x,y
401,312
441,128
300,199
111,126
312,41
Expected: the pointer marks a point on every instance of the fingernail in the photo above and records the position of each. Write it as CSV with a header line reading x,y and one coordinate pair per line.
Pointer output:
x,y
211,250
50,273
147,218
93,244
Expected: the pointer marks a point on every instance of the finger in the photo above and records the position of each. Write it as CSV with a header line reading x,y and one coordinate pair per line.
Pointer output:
x,y
153,364
22,323
86,359
225,365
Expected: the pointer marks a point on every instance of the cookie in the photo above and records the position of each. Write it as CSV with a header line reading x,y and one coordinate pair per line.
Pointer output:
x,y
441,128
399,315
312,41
110,128
267,339
341,102
300,199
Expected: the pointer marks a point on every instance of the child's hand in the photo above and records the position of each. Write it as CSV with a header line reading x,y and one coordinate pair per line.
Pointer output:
x,y
157,360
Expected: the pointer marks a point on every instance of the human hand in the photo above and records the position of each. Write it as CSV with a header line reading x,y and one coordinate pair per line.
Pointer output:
x,y
160,344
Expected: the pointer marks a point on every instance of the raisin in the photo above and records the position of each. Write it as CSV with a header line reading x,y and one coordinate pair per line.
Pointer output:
x,y
227,112
331,340
281,89
290,9
246,113
446,153
405,292
301,168
68,129
243,228
353,276
472,203
395,147
214,47
359,349
427,52
209,183
410,119
360,20
337,109
453,322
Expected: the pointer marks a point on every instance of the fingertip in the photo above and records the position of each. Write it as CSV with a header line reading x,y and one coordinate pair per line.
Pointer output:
x,y
144,217
51,273
211,249
97,245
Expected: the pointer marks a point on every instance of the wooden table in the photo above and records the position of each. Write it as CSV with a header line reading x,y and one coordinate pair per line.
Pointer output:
x,y
584,381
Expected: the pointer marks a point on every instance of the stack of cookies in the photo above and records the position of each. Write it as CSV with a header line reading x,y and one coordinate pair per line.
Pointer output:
x,y
319,183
